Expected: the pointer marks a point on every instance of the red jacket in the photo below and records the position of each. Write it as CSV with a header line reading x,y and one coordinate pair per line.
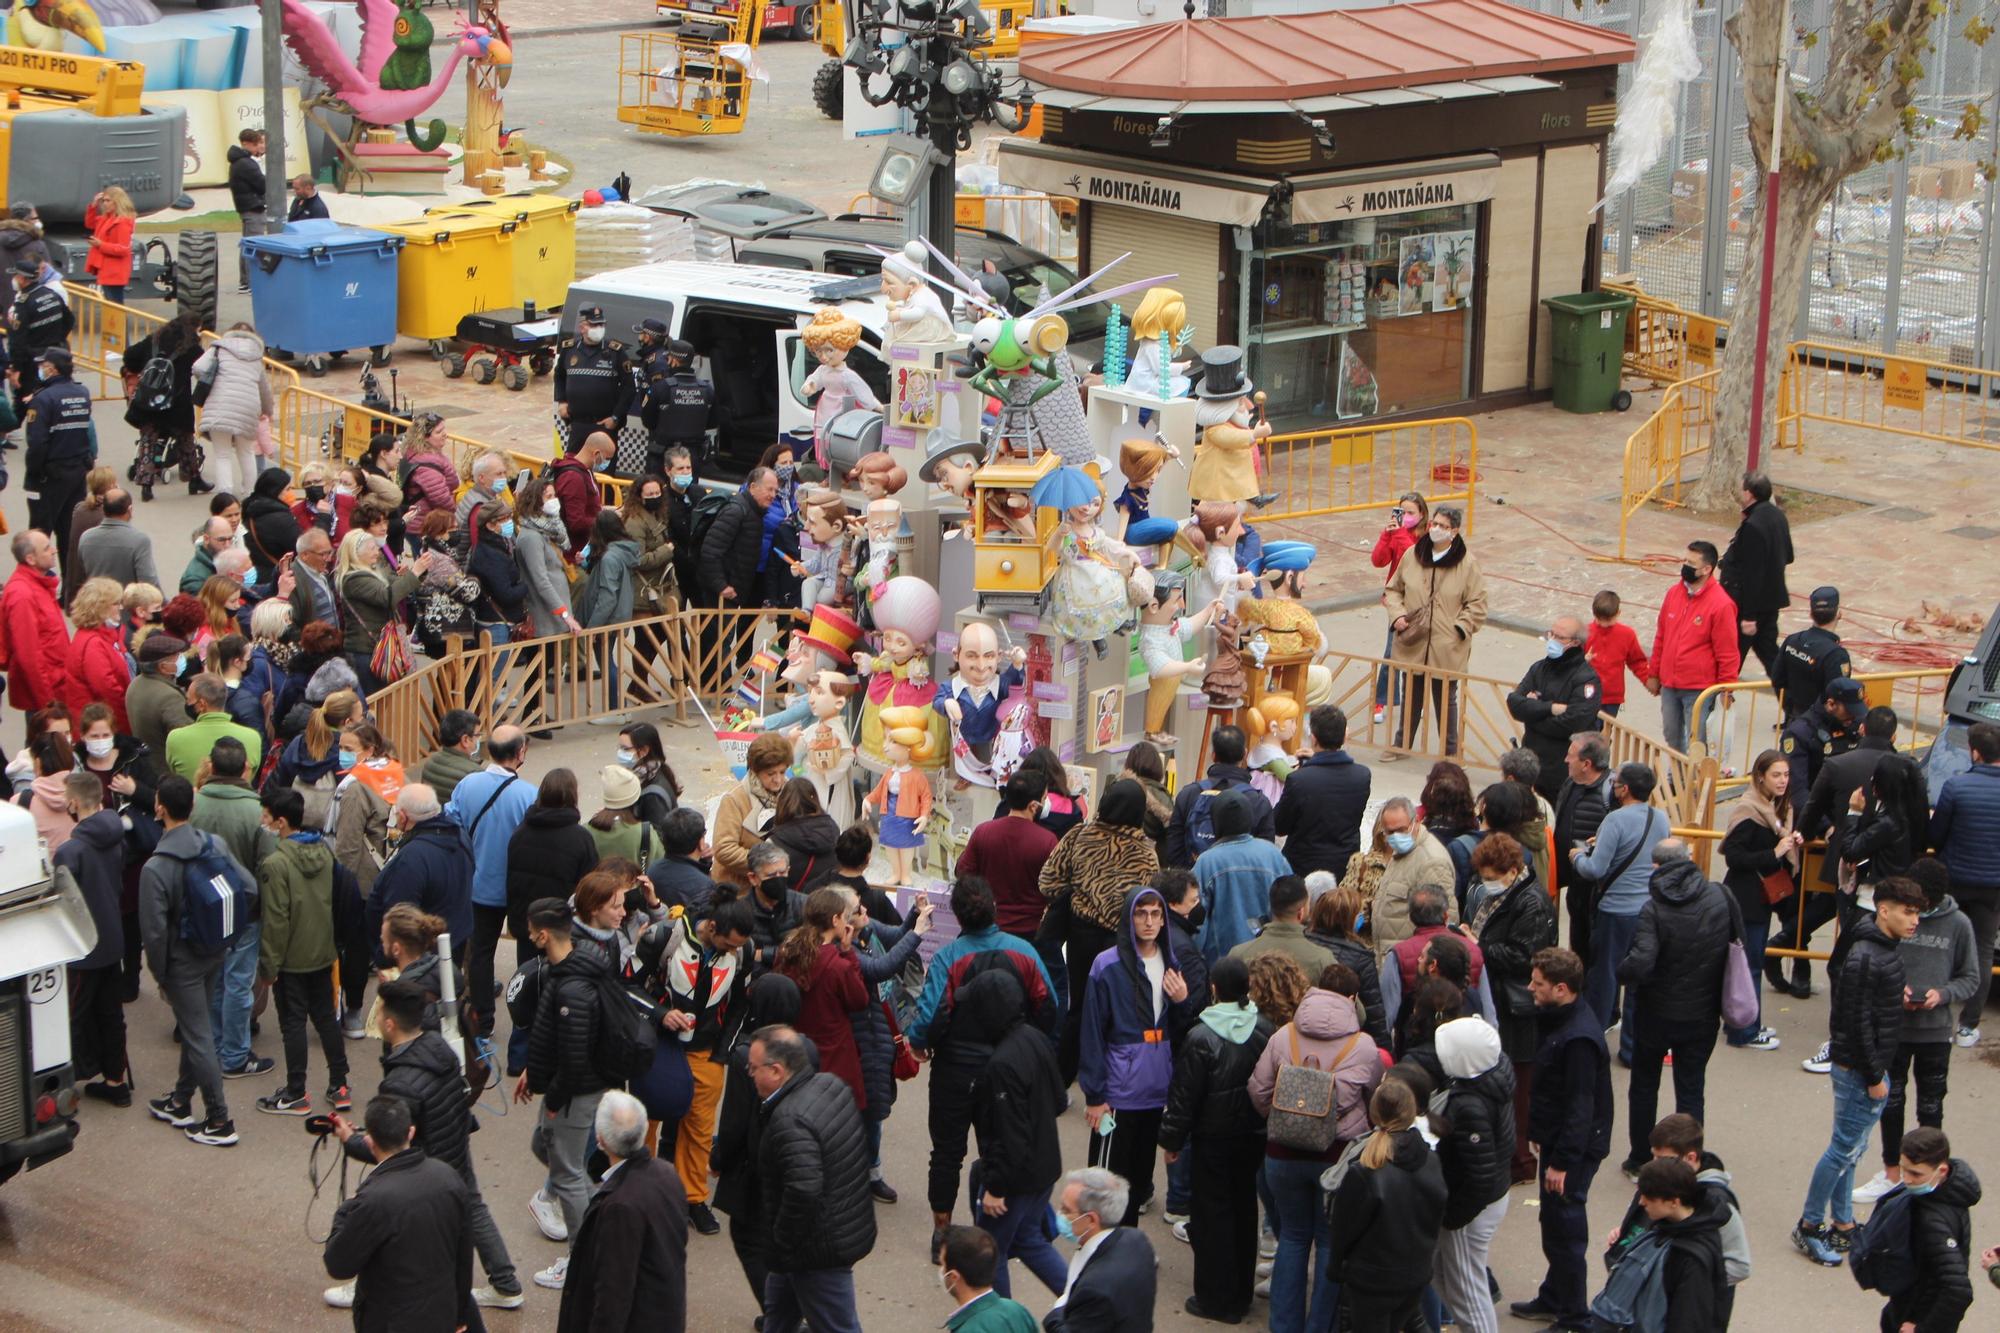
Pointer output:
x,y
1408,951
34,642
98,673
1611,649
1694,645
343,515
824,1008
576,486
110,259
1390,548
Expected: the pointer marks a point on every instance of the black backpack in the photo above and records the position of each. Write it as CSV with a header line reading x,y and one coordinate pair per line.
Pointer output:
x,y
706,510
627,1033
1881,1255
155,390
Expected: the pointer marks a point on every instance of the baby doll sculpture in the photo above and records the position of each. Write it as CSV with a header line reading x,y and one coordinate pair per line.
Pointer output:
x,y
916,314
1273,728
903,795
1092,596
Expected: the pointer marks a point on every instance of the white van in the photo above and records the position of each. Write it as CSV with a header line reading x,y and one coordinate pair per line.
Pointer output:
x,y
744,323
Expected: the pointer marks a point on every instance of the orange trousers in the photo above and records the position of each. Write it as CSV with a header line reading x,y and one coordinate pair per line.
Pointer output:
x,y
697,1134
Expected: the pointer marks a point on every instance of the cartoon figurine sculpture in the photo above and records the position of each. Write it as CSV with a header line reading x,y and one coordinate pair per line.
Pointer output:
x,y
823,751
879,557
1006,515
906,613
833,388
1213,532
825,565
1225,458
916,315
1160,322
1281,619
1090,598
1163,627
878,474
972,701
1273,728
824,645
950,466
393,81
1017,738
1140,460
904,794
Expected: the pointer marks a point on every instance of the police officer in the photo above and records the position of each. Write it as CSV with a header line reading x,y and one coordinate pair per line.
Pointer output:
x,y
40,319
593,380
59,446
1812,659
683,407
1831,726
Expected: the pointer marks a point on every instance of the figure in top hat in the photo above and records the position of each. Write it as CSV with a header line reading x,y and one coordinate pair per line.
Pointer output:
x,y
1225,458
825,645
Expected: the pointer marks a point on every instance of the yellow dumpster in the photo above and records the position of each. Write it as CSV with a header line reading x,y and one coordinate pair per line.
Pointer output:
x,y
451,267
544,242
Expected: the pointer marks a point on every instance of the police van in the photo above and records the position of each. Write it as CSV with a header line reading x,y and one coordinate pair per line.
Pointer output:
x,y
743,322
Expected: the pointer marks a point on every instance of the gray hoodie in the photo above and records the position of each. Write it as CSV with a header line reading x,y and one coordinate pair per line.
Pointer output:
x,y
1941,956
161,890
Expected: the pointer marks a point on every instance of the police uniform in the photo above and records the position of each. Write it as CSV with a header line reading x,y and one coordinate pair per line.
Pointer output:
x,y
40,319
59,452
1809,740
1811,660
595,381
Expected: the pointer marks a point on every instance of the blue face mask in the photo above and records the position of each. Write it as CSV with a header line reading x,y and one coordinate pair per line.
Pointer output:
x,y
1924,1188
1554,648
600,465
584,554
180,663
627,759
785,471
507,529
681,480
1402,844
348,758
1064,1229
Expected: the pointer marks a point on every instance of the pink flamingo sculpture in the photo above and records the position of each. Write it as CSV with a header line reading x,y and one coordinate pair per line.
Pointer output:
x,y
392,80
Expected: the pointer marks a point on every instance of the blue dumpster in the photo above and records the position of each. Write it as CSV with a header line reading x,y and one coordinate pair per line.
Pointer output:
x,y
319,290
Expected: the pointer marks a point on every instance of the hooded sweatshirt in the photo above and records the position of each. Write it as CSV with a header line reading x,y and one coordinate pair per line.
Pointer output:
x,y
1322,1028
48,803
297,884
1235,875
1127,1060
1941,956
1474,1114
1714,1179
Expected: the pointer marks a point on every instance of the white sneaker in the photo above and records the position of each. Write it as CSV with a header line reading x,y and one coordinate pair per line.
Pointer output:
x,y
1821,1060
1875,1188
1267,1246
548,1216
1264,1287
340,1297
494,1299
552,1276
1380,714
354,1026
1181,1233
1174,1219
1966,1037
1767,1039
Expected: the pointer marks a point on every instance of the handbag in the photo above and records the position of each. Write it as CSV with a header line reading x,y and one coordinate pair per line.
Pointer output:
x,y
905,1065
204,380
1416,628
1778,886
1739,991
392,659
1302,1101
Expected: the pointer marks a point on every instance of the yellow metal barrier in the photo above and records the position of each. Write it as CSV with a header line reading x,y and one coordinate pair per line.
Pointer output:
x,y
1665,343
105,329
1656,454
1745,714
1925,400
1045,222
1368,467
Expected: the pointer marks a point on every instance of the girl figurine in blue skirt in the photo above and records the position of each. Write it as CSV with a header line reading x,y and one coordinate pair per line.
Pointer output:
x,y
904,793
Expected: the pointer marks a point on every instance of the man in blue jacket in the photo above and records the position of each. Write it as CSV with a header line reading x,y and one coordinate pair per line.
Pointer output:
x,y
489,806
431,867
1619,861
1235,875
1965,829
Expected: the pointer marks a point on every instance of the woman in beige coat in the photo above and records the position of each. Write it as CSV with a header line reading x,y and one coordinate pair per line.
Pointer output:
x,y
1436,603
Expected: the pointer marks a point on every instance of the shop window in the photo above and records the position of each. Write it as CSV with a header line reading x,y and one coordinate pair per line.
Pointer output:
x,y
1364,318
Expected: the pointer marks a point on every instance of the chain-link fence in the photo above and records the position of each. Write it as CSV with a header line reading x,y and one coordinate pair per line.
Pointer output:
x,y
1900,262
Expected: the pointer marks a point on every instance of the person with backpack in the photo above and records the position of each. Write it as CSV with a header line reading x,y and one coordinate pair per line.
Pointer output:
x,y
1386,1216
1679,1138
301,884
228,807
1312,1084
732,542
1191,827
568,1051
1917,1244
489,805
1235,873
1670,1277
192,903
1617,860
1867,1024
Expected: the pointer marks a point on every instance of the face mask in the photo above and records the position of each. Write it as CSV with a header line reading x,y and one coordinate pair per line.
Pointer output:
x,y
348,758
97,749
180,664
314,494
593,335
681,480
1441,536
653,502
627,759
584,554
552,506
507,528
111,622
785,471
1925,1188
1690,575
601,465
1554,648
1492,885
776,887
1411,520
1195,917
1402,844
1065,1228
944,1281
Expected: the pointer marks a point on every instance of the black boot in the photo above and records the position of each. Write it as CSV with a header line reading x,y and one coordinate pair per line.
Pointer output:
x,y
1802,987
1774,976
200,487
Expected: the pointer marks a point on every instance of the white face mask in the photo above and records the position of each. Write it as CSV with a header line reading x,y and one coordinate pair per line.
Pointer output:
x,y
552,506
111,622
593,334
1442,536
98,747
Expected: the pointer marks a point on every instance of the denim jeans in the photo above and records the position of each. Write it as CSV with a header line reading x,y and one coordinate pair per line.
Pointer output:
x,y
1302,1232
499,634
1382,676
1180,1181
1675,707
235,996
1854,1116
823,1297
1611,939
1022,1233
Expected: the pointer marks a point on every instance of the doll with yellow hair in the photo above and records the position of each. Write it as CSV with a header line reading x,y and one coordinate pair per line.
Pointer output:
x,y
1162,314
1273,728
904,794
833,388
1139,462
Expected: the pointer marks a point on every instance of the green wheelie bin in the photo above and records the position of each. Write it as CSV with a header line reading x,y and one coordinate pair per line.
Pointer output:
x,y
1587,336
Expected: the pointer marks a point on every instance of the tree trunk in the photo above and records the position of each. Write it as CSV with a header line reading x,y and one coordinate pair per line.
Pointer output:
x,y
1801,196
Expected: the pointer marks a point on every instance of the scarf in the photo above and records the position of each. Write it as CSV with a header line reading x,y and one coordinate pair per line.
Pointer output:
x,y
1756,807
1232,1022
1489,904
552,528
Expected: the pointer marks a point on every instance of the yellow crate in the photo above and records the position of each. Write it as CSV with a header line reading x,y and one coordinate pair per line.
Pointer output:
x,y
544,242
451,267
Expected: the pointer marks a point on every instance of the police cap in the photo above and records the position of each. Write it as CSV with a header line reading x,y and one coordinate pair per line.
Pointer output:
x,y
1826,599
650,326
590,314
1844,688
